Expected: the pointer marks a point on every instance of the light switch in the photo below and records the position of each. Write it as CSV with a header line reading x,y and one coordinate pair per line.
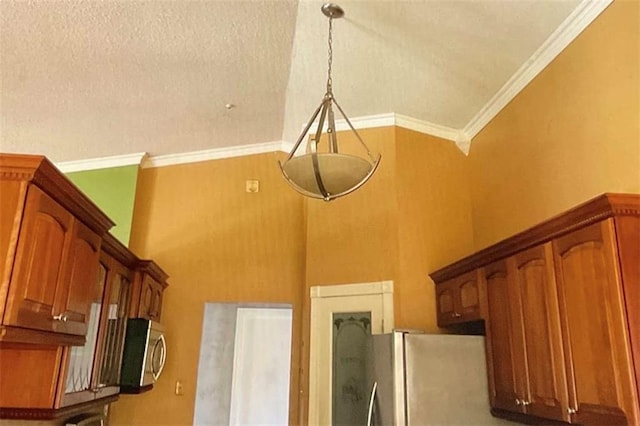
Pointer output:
x,y
179,390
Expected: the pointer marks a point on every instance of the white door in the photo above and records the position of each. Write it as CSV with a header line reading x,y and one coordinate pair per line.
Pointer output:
x,y
373,298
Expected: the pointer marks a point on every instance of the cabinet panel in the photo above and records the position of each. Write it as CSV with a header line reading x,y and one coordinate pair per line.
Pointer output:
x,y
445,300
546,385
156,305
146,290
82,360
79,287
458,300
114,332
42,247
505,390
594,326
146,299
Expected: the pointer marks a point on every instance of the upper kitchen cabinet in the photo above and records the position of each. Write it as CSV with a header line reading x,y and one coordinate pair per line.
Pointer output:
x,y
524,346
594,321
50,237
562,319
458,300
146,295
54,380
92,371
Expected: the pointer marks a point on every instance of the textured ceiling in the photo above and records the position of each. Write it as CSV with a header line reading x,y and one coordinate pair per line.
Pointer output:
x,y
87,79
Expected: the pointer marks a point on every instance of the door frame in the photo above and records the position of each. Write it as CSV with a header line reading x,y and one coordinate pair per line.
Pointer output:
x,y
325,294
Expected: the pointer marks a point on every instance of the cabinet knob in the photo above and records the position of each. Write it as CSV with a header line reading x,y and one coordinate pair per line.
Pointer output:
x,y
456,315
571,410
526,403
518,402
60,317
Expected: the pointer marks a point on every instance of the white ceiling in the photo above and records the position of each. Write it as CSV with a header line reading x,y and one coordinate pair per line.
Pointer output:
x,y
88,79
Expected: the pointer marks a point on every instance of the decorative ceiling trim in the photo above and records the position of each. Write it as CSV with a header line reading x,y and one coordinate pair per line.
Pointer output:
x,y
571,27
399,120
213,154
101,163
365,122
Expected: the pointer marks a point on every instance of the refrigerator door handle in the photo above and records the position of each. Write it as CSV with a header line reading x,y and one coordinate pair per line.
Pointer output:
x,y
371,401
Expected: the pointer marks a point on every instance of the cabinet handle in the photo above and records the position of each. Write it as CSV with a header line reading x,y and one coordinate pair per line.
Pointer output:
x,y
571,410
456,315
60,317
518,402
525,403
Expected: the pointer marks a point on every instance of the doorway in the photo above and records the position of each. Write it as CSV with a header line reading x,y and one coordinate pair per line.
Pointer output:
x,y
244,366
365,308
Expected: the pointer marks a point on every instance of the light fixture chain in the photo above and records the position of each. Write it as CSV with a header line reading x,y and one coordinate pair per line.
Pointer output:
x,y
330,55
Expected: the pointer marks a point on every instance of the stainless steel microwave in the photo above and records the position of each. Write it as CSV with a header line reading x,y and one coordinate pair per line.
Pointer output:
x,y
144,356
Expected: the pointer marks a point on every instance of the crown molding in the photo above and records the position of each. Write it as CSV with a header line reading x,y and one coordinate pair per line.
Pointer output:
x,y
101,163
214,154
586,12
404,121
364,122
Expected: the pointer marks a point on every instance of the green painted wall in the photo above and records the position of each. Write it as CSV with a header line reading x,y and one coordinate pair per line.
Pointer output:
x,y
113,190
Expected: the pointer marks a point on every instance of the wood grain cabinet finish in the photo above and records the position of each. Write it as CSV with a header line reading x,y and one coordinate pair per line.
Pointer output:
x,y
458,300
562,320
57,380
599,364
524,344
93,371
148,287
505,368
50,235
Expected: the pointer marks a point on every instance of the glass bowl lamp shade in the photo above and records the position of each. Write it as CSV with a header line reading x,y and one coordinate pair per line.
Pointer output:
x,y
327,174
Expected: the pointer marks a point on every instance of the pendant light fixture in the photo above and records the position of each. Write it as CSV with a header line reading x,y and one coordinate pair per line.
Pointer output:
x,y
328,173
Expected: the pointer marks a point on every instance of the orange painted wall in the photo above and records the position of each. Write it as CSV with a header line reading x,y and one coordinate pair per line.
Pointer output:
x,y
434,221
570,135
573,133
217,243
353,239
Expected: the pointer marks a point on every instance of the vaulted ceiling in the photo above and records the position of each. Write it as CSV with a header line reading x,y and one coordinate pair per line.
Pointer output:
x,y
87,79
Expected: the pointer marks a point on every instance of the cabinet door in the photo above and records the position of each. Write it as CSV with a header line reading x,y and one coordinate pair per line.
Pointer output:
x,y
42,247
156,305
116,318
594,328
504,343
458,299
80,382
445,297
546,386
147,295
79,286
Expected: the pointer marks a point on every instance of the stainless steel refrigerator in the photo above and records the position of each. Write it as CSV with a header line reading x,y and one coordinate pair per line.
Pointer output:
x,y
429,379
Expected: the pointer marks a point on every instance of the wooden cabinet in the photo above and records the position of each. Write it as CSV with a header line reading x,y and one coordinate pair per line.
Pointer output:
x,y
458,300
505,366
50,234
65,287
541,353
599,364
55,380
92,371
562,343
524,343
149,284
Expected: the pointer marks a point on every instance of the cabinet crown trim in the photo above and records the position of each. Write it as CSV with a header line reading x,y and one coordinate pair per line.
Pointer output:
x,y
599,208
38,170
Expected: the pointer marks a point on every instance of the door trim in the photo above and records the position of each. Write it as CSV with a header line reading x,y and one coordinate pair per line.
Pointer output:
x,y
384,289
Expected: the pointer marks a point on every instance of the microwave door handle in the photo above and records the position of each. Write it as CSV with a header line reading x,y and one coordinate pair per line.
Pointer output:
x,y
162,359
371,401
